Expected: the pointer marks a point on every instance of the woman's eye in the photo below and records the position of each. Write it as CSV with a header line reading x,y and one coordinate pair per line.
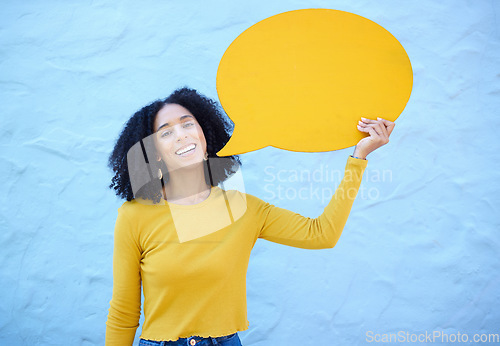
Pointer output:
x,y
166,133
188,124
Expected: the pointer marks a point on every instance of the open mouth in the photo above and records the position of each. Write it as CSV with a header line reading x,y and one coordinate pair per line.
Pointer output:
x,y
186,150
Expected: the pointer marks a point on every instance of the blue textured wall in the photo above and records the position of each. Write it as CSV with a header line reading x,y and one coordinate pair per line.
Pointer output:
x,y
419,252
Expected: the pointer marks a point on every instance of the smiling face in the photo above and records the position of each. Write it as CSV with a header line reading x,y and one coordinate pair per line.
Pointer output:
x,y
179,138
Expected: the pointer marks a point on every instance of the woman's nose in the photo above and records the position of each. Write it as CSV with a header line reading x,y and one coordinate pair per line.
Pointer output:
x,y
180,135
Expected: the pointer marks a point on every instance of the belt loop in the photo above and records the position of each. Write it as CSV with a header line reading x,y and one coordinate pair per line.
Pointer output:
x,y
214,341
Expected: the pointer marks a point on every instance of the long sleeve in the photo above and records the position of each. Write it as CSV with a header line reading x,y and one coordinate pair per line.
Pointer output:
x,y
286,227
125,305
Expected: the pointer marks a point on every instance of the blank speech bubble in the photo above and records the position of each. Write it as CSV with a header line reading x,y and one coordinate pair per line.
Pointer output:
x,y
301,80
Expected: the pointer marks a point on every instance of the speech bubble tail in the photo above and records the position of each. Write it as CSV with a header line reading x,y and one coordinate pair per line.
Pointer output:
x,y
239,144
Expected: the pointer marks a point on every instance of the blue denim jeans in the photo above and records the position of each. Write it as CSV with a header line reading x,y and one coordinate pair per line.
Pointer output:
x,y
227,340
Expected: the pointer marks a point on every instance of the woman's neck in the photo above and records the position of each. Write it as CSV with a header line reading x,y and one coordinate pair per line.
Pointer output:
x,y
186,186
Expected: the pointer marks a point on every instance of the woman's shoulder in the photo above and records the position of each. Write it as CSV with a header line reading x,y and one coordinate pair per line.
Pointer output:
x,y
237,194
139,206
245,200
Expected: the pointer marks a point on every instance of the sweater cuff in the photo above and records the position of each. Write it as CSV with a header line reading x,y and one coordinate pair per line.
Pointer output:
x,y
356,162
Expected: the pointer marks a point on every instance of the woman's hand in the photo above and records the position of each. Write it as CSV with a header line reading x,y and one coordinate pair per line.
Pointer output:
x,y
379,131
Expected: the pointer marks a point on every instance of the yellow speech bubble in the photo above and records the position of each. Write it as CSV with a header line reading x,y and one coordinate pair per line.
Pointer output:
x,y
301,80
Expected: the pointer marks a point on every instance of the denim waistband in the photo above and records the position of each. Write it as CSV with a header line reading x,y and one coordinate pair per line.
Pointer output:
x,y
229,340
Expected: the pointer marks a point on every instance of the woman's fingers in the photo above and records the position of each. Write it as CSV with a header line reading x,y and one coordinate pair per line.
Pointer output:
x,y
362,128
370,129
373,133
368,123
389,125
382,126
379,131
376,129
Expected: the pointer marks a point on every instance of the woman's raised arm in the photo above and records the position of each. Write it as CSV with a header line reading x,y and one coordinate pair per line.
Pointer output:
x,y
289,228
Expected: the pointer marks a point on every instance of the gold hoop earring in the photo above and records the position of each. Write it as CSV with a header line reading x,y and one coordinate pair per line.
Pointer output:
x,y
205,157
160,174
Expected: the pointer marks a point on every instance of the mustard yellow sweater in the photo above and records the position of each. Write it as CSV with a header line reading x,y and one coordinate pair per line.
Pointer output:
x,y
194,282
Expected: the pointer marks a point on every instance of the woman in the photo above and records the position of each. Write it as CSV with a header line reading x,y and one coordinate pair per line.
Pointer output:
x,y
193,277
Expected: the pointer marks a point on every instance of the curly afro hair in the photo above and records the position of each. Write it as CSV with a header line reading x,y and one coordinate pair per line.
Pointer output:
x,y
216,128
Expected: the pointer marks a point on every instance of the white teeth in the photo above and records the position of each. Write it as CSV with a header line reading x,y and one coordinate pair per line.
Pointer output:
x,y
186,149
